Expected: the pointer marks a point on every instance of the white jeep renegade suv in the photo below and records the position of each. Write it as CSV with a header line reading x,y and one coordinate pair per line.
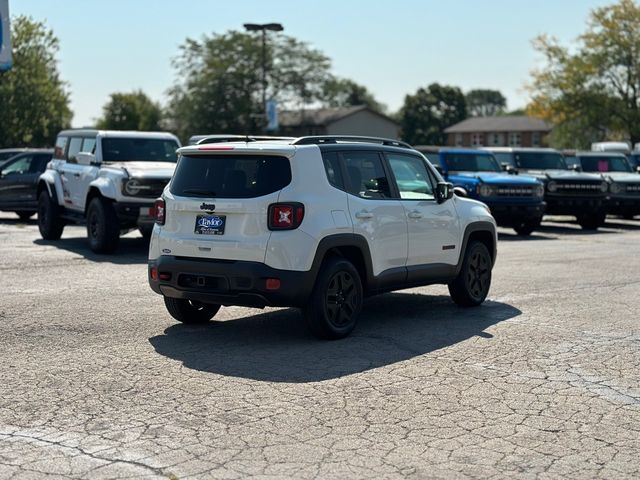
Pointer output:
x,y
317,223
110,179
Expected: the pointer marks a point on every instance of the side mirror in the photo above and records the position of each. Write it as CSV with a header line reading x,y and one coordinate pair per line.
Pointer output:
x,y
444,192
575,167
460,192
638,169
507,167
86,158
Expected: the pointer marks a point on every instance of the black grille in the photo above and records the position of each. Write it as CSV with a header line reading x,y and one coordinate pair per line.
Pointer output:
x,y
633,188
579,188
514,191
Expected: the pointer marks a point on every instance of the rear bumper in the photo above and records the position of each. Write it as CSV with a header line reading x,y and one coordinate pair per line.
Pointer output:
x,y
508,215
575,206
228,282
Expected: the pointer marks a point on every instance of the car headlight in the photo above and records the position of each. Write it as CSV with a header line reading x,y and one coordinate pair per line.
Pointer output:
x,y
538,190
552,186
132,187
617,187
485,190
604,187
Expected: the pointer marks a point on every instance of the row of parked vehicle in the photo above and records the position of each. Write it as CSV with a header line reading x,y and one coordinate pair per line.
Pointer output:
x,y
314,222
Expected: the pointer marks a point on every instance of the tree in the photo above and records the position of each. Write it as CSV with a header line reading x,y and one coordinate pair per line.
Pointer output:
x,y
219,86
485,103
342,92
130,111
34,103
426,114
592,91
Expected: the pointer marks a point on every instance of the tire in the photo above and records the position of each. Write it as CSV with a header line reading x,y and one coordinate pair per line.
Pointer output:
x,y
191,312
472,285
592,221
103,229
24,216
50,223
525,229
336,300
146,232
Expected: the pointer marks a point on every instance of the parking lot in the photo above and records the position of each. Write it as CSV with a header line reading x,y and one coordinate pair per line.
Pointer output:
x,y
543,380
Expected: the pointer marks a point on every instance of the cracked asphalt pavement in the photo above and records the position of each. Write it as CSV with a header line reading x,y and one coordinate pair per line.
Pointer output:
x,y
542,381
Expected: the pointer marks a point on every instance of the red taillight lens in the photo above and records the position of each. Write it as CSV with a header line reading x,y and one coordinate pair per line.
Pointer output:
x,y
285,216
153,273
159,210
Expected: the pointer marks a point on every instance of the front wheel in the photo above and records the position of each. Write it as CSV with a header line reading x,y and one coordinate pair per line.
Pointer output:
x,y
190,311
592,221
24,216
471,286
103,229
526,228
335,303
50,222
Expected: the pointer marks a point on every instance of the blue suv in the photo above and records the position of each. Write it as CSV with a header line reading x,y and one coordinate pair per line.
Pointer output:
x,y
515,201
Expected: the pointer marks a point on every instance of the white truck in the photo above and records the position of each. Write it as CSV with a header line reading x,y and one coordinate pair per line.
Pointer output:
x,y
108,179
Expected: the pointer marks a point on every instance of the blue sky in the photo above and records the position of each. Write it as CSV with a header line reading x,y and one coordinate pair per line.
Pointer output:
x,y
393,48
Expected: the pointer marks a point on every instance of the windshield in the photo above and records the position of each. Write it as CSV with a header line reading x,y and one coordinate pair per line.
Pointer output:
x,y
471,162
540,161
634,159
139,149
604,164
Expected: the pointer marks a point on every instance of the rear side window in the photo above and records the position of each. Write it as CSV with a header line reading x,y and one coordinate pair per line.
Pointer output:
x,y
332,167
366,177
230,176
61,145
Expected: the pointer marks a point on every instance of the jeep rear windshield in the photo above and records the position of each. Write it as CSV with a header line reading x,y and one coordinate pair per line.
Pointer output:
x,y
604,164
230,176
471,162
138,150
540,161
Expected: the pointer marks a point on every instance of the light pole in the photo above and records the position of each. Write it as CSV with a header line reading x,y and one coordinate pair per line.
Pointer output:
x,y
263,27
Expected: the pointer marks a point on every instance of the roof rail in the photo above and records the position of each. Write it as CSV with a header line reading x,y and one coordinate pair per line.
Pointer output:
x,y
324,139
238,138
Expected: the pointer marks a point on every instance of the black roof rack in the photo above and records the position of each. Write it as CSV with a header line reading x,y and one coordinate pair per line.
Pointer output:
x,y
324,139
237,138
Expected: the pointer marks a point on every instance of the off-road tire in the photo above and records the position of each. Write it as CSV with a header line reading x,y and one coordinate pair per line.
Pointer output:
x,y
103,229
471,286
188,311
24,216
50,223
526,228
592,221
336,300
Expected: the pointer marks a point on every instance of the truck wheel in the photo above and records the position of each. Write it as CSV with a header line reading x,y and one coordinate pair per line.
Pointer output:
x,y
592,221
103,229
335,303
146,232
24,216
190,311
526,228
471,287
50,223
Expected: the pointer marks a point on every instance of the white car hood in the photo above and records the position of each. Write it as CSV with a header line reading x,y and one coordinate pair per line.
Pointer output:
x,y
146,169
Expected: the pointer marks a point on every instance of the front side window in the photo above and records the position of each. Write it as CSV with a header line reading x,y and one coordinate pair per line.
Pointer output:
x,y
89,145
75,147
61,145
467,162
540,161
365,175
18,166
604,164
138,150
230,176
412,177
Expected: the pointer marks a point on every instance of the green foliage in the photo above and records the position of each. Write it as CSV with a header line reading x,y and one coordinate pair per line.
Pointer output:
x,y
342,92
219,81
130,111
592,92
426,114
485,103
34,101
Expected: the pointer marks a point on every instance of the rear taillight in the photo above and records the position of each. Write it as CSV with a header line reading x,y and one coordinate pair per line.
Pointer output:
x,y
285,216
159,211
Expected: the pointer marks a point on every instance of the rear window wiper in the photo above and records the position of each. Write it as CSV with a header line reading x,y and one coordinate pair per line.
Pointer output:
x,y
200,192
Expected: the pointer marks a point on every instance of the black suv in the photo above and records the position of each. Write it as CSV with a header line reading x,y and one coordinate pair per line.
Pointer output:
x,y
19,181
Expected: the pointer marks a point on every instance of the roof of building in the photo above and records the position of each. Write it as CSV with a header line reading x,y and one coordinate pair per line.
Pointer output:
x,y
500,124
321,116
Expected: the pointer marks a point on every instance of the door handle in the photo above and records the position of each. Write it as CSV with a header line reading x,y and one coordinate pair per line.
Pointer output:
x,y
363,215
414,214
77,175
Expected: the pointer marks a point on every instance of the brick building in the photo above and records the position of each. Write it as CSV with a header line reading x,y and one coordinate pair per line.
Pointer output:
x,y
506,131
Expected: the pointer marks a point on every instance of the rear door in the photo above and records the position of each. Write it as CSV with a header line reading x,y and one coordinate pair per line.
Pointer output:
x,y
433,228
217,205
375,214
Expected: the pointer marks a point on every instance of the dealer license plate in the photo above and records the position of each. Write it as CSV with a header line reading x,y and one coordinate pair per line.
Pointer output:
x,y
210,224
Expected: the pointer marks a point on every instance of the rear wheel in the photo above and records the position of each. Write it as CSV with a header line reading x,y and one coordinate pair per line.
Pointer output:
x,y
592,221
24,216
190,311
50,222
336,300
103,229
471,287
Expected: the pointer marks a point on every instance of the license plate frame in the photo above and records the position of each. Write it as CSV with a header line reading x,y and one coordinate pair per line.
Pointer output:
x,y
207,224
